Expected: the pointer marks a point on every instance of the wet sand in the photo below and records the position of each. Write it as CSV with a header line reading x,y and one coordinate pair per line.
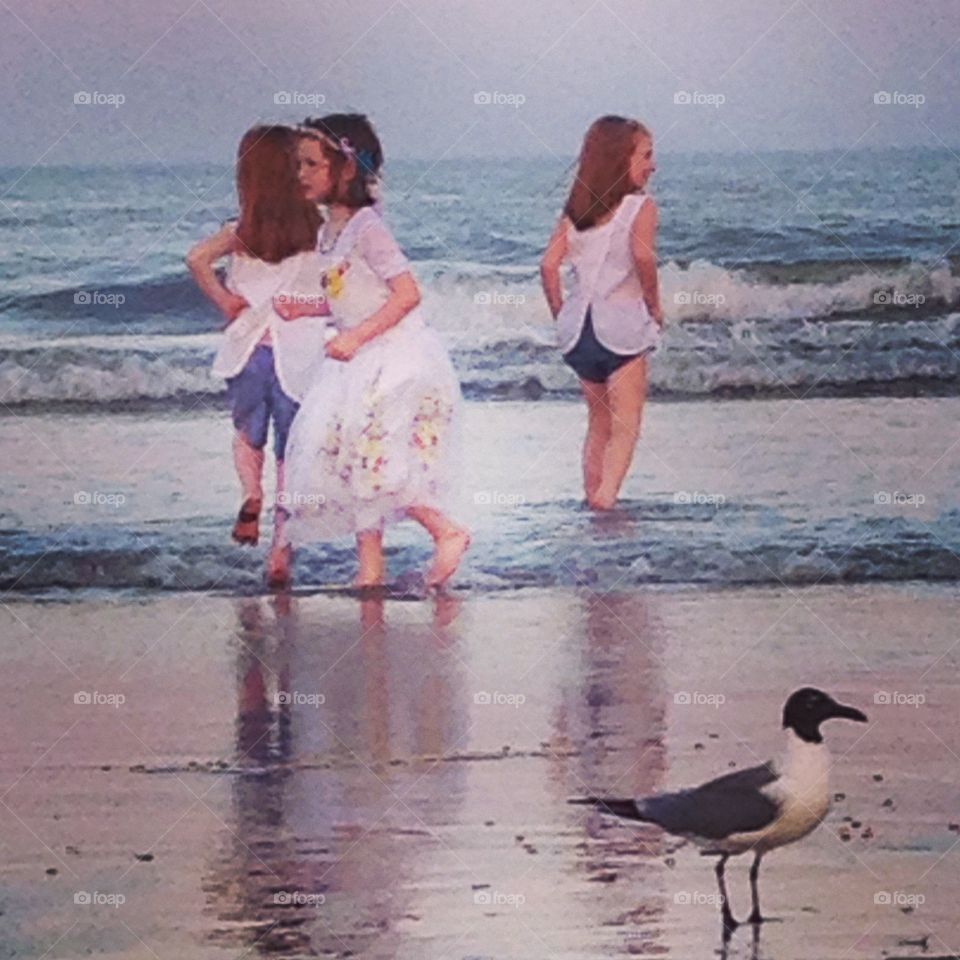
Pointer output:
x,y
408,799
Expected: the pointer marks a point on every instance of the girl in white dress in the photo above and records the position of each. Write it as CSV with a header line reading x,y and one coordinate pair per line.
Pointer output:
x,y
374,441
267,363
612,319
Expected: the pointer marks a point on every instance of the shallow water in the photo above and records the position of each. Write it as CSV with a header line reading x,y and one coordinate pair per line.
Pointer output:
x,y
725,493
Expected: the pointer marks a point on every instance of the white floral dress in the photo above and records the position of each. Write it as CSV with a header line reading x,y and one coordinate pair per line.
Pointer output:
x,y
376,435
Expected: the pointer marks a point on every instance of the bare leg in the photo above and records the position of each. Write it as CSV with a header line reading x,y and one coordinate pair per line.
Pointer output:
x,y
248,461
370,556
281,553
626,395
598,435
755,915
450,543
728,922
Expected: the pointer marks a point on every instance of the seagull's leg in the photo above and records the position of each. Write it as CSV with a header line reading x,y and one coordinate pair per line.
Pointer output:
x,y
729,923
755,916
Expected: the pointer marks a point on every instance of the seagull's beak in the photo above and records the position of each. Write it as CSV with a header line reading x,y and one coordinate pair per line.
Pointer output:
x,y
842,712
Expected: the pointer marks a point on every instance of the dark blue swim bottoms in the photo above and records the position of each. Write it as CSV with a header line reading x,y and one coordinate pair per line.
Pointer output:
x,y
256,398
591,360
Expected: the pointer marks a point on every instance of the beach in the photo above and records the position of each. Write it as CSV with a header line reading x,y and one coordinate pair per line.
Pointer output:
x,y
311,776
194,767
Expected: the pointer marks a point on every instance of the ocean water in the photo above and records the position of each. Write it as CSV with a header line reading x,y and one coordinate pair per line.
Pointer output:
x,y
811,356
783,274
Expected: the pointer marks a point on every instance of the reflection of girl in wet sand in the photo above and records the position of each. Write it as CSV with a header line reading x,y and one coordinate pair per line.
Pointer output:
x,y
301,864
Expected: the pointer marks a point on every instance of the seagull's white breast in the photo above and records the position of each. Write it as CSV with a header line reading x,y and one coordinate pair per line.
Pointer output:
x,y
802,791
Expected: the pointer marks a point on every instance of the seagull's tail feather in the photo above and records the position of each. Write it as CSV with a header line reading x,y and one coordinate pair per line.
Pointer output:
x,y
617,807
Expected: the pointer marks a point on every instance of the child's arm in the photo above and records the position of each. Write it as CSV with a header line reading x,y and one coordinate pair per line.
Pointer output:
x,y
643,246
200,261
380,251
404,296
550,266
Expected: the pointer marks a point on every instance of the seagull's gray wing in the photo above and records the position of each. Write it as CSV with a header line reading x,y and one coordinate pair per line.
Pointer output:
x,y
730,804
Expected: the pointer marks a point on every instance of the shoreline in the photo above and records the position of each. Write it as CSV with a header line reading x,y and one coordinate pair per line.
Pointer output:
x,y
530,390
408,797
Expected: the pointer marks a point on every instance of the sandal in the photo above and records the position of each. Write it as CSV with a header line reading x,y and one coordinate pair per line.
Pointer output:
x,y
246,530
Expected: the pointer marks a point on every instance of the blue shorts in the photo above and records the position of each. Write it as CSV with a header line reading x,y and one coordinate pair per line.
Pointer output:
x,y
591,360
256,398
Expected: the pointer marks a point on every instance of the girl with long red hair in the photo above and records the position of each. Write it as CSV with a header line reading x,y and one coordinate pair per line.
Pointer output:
x,y
268,363
612,319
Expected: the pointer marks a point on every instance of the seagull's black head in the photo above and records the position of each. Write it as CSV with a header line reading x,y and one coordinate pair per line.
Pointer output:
x,y
808,707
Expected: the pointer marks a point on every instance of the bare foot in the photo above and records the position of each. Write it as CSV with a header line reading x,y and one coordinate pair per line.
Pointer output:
x,y
601,501
367,583
450,548
278,567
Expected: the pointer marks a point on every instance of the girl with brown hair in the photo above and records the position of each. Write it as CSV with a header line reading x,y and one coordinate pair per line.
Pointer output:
x,y
612,318
376,439
268,363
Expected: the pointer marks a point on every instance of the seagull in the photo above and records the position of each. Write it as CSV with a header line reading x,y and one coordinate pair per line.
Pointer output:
x,y
754,810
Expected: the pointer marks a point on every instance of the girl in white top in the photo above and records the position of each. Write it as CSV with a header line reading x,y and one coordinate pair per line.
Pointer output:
x,y
612,319
374,441
267,363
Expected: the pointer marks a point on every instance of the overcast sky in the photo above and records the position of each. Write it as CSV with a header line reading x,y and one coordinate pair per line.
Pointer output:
x,y
748,74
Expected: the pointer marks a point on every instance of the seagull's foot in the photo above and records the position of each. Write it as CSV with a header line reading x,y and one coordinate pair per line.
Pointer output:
x,y
755,918
729,923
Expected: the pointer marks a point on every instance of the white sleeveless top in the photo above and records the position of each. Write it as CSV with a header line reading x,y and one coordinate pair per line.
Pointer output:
x,y
298,345
606,281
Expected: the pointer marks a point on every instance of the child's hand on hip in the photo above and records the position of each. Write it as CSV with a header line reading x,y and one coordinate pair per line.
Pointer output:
x,y
344,345
231,306
293,308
